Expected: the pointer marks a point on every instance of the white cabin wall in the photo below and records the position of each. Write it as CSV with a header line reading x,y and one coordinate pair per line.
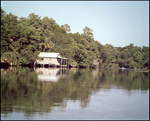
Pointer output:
x,y
48,61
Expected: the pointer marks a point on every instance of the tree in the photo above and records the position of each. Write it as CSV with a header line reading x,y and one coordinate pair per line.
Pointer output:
x,y
34,20
66,27
88,31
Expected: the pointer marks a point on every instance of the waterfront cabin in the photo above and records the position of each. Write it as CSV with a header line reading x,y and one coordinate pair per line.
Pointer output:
x,y
51,59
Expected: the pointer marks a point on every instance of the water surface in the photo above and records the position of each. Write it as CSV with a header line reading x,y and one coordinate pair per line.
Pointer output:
x,y
55,93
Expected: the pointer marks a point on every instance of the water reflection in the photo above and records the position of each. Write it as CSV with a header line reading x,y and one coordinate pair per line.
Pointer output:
x,y
24,90
50,74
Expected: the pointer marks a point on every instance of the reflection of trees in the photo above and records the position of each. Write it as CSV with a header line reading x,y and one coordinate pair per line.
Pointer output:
x,y
127,79
21,90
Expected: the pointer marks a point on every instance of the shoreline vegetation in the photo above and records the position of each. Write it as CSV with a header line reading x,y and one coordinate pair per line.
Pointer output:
x,y
6,66
23,38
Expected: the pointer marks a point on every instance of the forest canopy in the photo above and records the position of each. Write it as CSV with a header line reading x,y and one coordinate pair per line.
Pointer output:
x,y
22,39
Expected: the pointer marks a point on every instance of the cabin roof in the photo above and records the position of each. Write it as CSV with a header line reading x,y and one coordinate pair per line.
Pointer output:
x,y
50,55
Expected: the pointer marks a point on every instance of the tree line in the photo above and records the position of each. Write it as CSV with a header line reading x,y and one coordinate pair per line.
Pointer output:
x,y
23,38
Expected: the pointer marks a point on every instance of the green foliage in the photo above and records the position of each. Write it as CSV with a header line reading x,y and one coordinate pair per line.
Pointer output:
x,y
88,31
22,39
66,27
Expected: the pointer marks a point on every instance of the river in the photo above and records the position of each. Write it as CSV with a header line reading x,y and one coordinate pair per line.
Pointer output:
x,y
55,93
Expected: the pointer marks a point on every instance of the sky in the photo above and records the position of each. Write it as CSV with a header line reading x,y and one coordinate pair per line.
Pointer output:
x,y
118,23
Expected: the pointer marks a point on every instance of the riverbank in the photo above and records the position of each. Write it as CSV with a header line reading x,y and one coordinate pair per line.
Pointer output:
x,y
7,65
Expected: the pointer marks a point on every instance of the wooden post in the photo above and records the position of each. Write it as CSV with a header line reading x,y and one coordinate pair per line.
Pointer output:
x,y
11,64
11,68
61,62
60,71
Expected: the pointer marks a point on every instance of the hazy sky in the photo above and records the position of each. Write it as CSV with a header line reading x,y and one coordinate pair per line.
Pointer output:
x,y
118,23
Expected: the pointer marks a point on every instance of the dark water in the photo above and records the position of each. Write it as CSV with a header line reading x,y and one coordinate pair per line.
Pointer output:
x,y
47,93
